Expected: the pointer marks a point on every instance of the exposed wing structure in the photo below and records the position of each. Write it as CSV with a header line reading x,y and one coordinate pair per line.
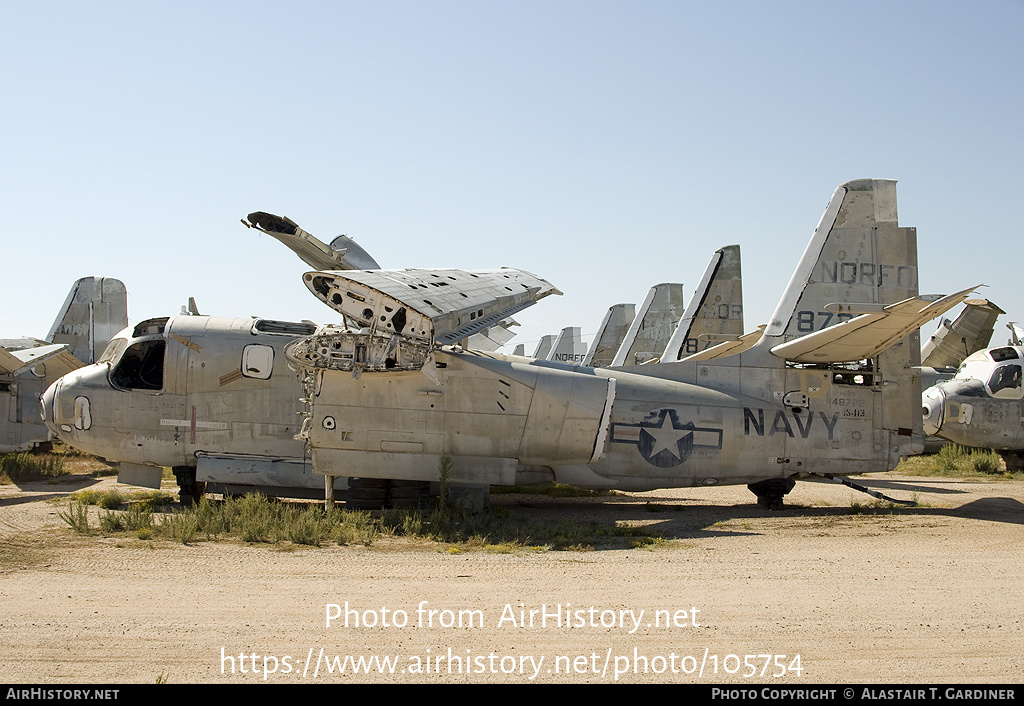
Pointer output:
x,y
440,305
402,314
970,332
867,334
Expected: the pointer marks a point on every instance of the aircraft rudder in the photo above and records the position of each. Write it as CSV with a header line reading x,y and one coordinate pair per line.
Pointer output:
x,y
858,256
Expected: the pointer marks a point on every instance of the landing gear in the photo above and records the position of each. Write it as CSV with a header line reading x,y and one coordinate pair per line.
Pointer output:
x,y
771,492
367,494
189,491
379,493
1014,461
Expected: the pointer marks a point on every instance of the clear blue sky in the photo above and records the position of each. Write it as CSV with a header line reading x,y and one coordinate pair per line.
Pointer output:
x,y
605,146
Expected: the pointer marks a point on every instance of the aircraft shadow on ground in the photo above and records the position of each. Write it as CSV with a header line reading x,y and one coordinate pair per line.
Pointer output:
x,y
682,518
41,490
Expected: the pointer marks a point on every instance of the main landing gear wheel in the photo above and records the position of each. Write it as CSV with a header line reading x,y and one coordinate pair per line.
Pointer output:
x,y
771,492
189,491
367,494
1014,461
379,493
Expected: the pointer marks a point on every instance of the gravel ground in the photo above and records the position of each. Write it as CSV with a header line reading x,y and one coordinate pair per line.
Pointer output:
x,y
822,592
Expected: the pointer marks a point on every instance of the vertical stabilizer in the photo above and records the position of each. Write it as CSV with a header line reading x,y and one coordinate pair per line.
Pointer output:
x,y
569,346
715,311
858,261
544,347
95,310
610,336
653,326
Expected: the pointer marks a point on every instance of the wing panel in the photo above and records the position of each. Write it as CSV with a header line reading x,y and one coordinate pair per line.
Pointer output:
x,y
440,305
866,335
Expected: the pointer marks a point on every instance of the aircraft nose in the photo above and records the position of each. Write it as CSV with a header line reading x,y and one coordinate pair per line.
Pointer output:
x,y
47,407
932,404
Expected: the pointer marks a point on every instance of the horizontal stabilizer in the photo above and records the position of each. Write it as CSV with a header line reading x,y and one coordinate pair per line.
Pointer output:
x,y
54,355
443,306
342,254
866,335
728,348
9,363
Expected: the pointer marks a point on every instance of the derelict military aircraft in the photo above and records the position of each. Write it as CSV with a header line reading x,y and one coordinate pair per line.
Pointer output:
x,y
830,388
211,397
982,405
95,309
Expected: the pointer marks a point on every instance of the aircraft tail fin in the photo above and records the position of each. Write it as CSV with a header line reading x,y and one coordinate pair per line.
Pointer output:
x,y
569,346
610,335
95,310
653,326
859,259
544,347
715,312
853,304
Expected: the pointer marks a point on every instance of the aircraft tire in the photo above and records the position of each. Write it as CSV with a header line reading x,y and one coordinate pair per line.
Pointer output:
x,y
771,492
189,491
409,494
1014,461
367,494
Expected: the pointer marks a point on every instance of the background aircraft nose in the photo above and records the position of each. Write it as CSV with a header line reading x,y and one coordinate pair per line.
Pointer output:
x,y
46,407
932,403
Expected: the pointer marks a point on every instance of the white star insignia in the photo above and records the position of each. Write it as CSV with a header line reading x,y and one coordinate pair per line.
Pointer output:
x,y
666,437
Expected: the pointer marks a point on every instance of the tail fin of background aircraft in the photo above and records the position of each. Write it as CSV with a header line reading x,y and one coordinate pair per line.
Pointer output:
x,y
610,336
653,326
94,312
569,346
544,347
715,311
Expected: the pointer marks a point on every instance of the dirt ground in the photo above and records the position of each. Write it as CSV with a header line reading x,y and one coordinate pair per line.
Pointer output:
x,y
821,592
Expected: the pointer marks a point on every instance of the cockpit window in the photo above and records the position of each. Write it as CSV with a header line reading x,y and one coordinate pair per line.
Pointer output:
x,y
1005,381
113,350
141,367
